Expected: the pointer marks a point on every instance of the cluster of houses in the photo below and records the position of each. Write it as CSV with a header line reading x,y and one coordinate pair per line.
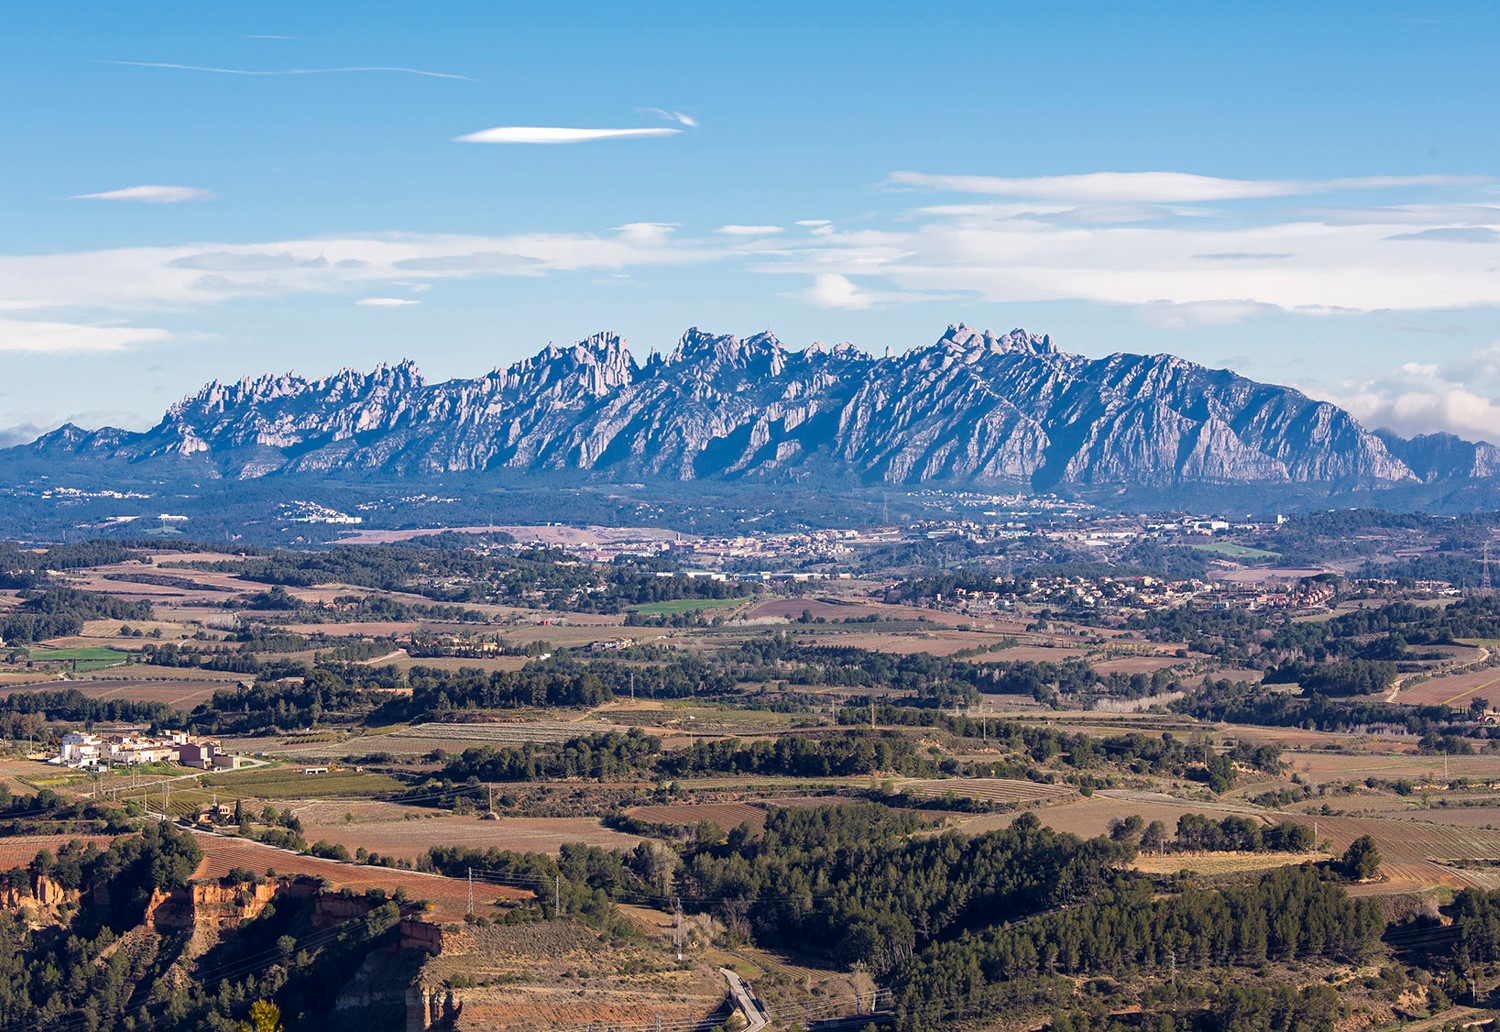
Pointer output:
x,y
88,751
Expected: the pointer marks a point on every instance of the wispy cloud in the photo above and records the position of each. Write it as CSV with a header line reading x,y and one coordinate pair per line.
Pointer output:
x,y
386,302
670,116
1159,187
149,195
292,71
1453,235
736,230
557,134
61,337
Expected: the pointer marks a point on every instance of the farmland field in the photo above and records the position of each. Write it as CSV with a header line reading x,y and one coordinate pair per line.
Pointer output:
x,y
1220,863
464,735
180,693
20,850
995,790
449,896
688,605
291,783
407,831
1457,690
681,815
1321,767
89,658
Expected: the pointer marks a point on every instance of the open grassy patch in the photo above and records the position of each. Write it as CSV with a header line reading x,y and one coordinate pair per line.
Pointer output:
x,y
687,605
1234,551
83,658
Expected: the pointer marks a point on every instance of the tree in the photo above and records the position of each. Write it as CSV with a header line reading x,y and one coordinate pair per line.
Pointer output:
x,y
264,1017
1361,860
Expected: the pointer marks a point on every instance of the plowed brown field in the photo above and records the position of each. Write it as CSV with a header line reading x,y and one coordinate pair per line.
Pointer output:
x,y
448,896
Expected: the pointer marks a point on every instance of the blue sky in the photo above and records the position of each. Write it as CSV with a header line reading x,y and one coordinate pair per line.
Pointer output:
x,y
1307,193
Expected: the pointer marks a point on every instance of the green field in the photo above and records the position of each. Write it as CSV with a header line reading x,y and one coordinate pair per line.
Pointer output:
x,y
92,658
1233,551
291,783
686,605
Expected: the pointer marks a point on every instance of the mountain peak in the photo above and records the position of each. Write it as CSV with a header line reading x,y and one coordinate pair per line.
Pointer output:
x,y
975,408
961,337
761,353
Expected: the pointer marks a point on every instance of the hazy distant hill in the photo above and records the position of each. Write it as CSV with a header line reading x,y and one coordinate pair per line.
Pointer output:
x,y
973,409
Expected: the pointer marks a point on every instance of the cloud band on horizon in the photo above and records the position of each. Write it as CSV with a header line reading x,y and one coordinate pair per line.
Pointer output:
x,y
557,134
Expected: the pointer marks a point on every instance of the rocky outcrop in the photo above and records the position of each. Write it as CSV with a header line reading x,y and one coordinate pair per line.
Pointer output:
x,y
973,408
204,905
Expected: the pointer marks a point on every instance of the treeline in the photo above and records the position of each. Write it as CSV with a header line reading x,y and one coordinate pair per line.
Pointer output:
x,y
614,756
1197,833
71,706
24,568
454,571
61,612
1344,677
1237,702
1132,753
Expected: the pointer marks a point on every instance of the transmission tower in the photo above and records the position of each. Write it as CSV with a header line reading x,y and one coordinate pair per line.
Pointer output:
x,y
1484,577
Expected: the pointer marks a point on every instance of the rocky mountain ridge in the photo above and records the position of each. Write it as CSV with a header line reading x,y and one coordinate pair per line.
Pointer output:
x,y
974,408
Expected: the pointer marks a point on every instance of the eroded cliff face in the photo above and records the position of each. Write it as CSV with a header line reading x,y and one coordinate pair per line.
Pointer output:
x,y
203,906
972,408
42,894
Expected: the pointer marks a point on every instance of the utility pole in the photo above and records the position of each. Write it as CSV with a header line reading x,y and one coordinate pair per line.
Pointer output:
x,y
872,714
471,891
557,895
677,929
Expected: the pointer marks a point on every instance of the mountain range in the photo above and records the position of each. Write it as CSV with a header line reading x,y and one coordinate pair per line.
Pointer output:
x,y
974,409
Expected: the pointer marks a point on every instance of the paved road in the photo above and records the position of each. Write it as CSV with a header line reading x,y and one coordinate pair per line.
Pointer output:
x,y
755,1018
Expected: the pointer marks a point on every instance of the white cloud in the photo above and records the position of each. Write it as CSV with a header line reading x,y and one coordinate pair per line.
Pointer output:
x,y
734,230
646,233
59,338
670,116
291,71
1431,397
1157,187
386,302
149,195
832,290
124,280
1227,267
813,223
545,134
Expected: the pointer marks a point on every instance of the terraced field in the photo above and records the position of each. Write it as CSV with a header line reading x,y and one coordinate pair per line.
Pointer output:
x,y
20,850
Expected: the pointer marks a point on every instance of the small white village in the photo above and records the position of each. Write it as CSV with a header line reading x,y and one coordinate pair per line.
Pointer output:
x,y
85,750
